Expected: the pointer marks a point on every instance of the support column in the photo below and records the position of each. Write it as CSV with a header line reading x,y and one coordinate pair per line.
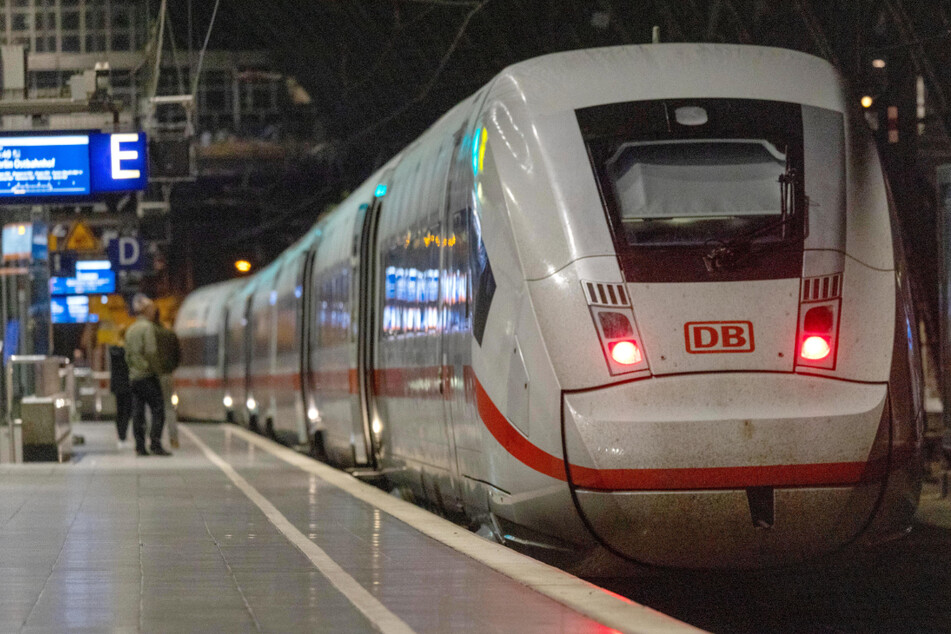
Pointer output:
x,y
944,290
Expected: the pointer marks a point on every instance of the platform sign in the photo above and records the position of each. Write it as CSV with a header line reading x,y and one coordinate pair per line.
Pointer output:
x,y
68,165
118,162
81,238
126,254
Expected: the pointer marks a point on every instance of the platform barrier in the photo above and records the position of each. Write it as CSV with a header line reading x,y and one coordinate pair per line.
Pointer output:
x,y
94,401
40,408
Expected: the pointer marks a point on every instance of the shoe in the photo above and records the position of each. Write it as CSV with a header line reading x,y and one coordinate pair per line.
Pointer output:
x,y
125,444
174,443
140,451
159,451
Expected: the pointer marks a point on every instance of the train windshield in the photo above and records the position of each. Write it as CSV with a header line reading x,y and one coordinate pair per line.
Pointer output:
x,y
698,172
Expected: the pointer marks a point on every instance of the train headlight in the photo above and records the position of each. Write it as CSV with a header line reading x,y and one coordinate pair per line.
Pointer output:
x,y
251,403
174,400
227,400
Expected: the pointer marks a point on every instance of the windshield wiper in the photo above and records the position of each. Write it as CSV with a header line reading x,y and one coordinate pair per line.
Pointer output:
x,y
729,254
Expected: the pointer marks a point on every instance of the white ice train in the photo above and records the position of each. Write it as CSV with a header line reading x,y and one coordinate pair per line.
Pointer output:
x,y
643,300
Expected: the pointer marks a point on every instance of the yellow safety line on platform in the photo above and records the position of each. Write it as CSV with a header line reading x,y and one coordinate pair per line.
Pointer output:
x,y
370,606
586,598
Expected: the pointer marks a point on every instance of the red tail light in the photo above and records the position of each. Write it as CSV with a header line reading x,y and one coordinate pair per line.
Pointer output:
x,y
815,348
626,352
818,333
620,342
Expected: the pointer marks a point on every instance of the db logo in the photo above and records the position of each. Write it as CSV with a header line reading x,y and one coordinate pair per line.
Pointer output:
x,y
718,336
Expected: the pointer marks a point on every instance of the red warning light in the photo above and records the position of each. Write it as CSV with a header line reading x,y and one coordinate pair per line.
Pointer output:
x,y
625,353
815,348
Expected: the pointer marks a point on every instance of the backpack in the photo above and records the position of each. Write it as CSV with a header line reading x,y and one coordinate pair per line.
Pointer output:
x,y
169,350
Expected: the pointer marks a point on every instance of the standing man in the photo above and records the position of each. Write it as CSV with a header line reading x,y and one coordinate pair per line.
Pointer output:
x,y
169,357
141,354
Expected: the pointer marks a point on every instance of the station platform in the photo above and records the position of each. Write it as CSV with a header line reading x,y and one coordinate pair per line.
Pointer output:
x,y
235,533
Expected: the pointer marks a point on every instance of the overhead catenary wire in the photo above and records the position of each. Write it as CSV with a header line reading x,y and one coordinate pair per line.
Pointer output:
x,y
153,88
178,67
427,87
204,47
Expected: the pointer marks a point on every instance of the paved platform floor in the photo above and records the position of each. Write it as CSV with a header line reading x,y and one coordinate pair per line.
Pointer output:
x,y
116,542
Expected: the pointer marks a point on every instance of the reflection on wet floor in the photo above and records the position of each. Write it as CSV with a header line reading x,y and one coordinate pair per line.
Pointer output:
x,y
902,586
119,542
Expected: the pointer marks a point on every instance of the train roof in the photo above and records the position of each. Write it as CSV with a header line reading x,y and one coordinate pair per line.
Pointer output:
x,y
196,316
581,78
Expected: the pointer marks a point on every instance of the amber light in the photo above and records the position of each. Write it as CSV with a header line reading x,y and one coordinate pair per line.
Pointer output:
x,y
626,353
815,348
243,266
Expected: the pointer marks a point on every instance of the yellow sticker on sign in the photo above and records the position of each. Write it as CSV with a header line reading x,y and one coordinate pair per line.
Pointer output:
x,y
81,238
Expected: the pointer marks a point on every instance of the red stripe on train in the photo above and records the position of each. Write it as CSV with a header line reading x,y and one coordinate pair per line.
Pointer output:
x,y
825,474
344,381
199,382
424,383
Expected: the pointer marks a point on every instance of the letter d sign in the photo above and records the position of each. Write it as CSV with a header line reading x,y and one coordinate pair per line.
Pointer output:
x,y
118,155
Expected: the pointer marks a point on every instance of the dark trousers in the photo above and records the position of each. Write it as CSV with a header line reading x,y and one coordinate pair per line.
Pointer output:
x,y
123,413
147,392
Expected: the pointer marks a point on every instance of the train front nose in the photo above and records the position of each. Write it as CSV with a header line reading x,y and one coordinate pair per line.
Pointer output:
x,y
728,470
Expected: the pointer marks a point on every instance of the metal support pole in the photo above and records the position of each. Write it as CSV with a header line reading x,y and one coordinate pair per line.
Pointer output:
x,y
944,289
9,410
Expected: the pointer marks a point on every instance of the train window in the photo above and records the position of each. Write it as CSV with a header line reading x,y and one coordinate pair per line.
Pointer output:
x,y
664,188
701,188
728,176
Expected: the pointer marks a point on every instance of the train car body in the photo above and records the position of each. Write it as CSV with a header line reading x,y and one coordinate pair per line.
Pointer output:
x,y
643,300
200,383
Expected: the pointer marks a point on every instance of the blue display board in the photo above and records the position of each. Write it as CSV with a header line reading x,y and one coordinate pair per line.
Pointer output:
x,y
71,309
97,282
44,165
118,162
70,165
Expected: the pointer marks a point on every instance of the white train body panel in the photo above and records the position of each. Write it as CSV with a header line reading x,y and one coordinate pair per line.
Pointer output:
x,y
199,383
711,207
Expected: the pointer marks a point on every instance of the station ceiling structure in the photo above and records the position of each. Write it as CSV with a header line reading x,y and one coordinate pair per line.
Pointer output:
x,y
380,72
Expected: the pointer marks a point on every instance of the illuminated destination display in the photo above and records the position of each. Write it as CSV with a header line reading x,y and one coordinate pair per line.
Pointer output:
x,y
85,282
72,164
72,309
44,165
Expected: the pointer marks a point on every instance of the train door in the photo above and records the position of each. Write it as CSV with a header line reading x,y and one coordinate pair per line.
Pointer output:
x,y
247,352
222,370
461,224
306,319
367,422
444,288
273,366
